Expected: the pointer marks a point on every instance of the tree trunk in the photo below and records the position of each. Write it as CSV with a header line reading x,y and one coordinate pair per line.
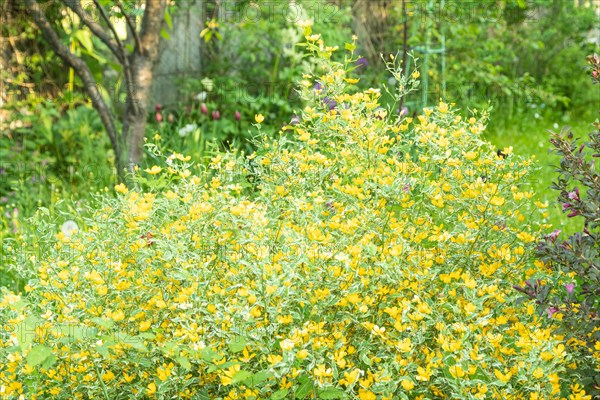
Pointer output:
x,y
137,67
142,62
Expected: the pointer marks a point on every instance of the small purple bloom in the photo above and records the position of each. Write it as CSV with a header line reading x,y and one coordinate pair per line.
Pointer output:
x,y
551,311
574,195
554,235
566,206
406,188
295,120
331,103
318,87
574,213
403,112
238,116
570,287
362,62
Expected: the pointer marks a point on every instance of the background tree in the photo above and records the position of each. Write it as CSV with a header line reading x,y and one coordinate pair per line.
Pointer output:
x,y
136,61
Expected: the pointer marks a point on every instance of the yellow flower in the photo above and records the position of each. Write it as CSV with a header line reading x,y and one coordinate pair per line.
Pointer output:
x,y
118,316
228,374
407,384
121,188
154,170
457,371
274,359
286,344
145,325
497,200
151,389
259,118
108,376
443,107
302,354
415,75
366,395
502,377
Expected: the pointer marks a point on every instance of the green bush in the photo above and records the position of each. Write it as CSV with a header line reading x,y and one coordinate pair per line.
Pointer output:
x,y
353,256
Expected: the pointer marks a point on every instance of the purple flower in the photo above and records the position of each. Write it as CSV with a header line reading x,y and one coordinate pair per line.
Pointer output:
x,y
574,195
406,188
551,311
570,287
362,62
574,213
554,235
237,116
403,112
566,206
330,103
318,87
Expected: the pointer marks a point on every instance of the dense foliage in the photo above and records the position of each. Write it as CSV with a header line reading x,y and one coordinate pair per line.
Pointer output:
x,y
355,255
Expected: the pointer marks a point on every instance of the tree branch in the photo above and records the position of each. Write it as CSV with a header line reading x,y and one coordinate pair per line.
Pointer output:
x,y
136,37
82,70
110,25
96,28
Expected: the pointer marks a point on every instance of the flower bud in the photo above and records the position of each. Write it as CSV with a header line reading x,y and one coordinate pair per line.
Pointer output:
x,y
238,116
203,108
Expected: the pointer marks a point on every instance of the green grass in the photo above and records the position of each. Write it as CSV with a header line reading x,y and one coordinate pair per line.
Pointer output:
x,y
530,138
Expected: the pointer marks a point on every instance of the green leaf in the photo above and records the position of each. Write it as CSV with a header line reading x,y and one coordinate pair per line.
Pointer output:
x,y
164,34
257,378
331,393
75,332
306,387
102,350
365,359
280,394
168,19
184,362
240,376
237,344
103,322
85,38
38,354
25,331
208,354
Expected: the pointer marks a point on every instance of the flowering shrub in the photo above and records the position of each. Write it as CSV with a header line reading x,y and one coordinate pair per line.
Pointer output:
x,y
576,304
354,256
